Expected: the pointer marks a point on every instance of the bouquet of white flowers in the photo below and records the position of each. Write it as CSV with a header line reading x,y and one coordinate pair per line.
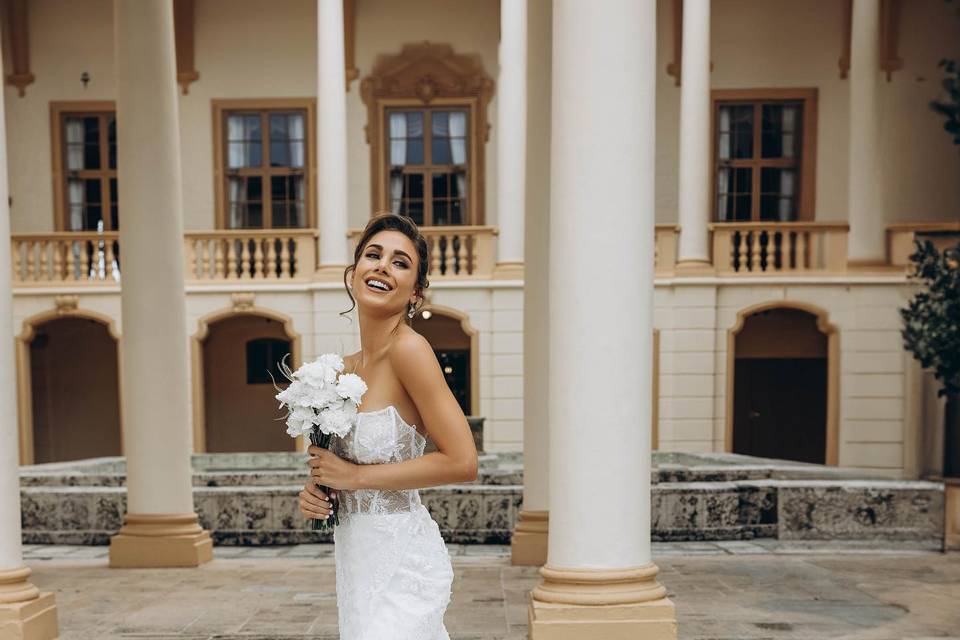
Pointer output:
x,y
322,402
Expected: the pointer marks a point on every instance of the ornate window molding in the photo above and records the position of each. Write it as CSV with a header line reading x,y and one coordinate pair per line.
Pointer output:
x,y
428,75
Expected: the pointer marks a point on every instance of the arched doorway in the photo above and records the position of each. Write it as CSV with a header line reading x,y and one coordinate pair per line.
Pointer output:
x,y
454,342
783,381
237,412
69,390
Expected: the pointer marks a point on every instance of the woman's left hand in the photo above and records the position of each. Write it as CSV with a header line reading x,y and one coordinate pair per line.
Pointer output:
x,y
330,470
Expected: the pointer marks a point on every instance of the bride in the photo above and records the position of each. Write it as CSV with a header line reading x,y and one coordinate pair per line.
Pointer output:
x,y
394,574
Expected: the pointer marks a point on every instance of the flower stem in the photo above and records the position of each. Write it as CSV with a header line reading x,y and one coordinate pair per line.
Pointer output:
x,y
323,440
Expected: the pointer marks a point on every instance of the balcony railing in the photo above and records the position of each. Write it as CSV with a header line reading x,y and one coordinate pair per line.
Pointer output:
x,y
455,251
75,258
779,248
901,236
238,255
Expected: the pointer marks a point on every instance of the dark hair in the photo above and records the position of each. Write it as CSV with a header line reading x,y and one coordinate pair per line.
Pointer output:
x,y
388,221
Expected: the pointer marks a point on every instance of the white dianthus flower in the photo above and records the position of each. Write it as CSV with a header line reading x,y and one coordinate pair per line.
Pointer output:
x,y
338,419
351,387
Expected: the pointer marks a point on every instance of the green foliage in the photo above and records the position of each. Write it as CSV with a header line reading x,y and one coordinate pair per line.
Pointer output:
x,y
950,108
931,321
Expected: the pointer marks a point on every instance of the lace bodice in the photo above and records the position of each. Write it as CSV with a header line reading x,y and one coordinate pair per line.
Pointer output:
x,y
379,437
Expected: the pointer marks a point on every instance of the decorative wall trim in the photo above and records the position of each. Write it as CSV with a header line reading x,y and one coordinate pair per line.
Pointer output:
x,y
183,27
350,41
15,15
890,59
673,68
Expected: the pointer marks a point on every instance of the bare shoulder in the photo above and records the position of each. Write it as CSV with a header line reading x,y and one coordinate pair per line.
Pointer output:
x,y
350,362
409,347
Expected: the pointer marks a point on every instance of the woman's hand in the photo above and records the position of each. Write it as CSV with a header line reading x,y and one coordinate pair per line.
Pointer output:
x,y
314,503
330,470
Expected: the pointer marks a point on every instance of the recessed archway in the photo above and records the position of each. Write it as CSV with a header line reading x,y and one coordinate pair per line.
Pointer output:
x,y
782,383
454,342
68,370
234,354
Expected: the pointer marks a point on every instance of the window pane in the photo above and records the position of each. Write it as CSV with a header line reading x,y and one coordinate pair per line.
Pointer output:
x,y
244,141
287,201
778,194
244,201
286,140
780,123
114,205
414,152
112,141
440,151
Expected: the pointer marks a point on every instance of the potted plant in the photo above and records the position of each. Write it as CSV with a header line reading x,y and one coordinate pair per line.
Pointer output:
x,y
931,332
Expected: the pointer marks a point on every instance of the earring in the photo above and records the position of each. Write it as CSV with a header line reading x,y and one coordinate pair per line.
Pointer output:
x,y
411,310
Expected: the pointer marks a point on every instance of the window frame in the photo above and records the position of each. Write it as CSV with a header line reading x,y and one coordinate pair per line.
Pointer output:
x,y
806,167
428,170
225,107
59,112
381,161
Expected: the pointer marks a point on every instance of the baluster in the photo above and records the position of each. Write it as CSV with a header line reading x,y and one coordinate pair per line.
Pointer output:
x,y
739,250
43,272
294,257
285,262
435,256
270,262
31,264
245,259
231,259
17,261
84,260
756,251
463,268
448,256
259,268
72,275
57,274
800,251
108,259
193,259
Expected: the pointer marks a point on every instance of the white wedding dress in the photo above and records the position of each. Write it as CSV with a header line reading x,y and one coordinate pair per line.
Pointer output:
x,y
394,575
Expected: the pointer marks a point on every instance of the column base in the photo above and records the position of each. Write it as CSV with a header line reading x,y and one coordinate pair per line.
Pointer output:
x,y
508,271
330,273
614,604
951,534
528,544
694,268
153,541
25,612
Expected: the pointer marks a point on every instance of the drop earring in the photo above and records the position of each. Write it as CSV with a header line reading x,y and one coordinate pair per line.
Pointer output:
x,y
411,311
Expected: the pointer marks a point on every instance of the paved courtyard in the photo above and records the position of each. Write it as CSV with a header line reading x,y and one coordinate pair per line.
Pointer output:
x,y
723,590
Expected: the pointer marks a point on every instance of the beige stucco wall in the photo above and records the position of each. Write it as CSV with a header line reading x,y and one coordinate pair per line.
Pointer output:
x,y
784,43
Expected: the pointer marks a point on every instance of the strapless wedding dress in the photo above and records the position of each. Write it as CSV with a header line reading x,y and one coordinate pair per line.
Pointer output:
x,y
393,570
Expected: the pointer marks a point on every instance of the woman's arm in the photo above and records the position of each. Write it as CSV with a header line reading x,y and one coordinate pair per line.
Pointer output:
x,y
455,460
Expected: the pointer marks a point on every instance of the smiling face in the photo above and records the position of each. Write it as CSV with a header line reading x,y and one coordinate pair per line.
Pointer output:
x,y
385,276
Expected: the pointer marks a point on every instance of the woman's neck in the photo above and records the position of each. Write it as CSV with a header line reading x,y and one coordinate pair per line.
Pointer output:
x,y
376,332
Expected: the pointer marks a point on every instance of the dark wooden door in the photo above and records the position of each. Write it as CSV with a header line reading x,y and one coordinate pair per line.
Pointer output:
x,y
780,408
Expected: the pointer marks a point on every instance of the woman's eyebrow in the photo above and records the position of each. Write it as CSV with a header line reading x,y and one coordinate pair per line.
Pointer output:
x,y
397,251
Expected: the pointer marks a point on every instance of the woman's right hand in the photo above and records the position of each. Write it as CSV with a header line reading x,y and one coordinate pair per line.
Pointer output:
x,y
314,503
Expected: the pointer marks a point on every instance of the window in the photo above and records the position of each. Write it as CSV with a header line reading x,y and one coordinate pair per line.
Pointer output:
x,y
263,355
428,164
264,164
88,158
763,155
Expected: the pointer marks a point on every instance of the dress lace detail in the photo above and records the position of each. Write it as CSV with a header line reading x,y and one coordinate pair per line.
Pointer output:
x,y
394,574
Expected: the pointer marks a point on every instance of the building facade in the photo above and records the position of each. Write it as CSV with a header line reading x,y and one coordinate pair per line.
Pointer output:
x,y
788,190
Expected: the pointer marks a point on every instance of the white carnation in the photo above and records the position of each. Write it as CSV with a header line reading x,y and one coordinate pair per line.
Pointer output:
x,y
338,419
296,394
300,420
351,387
322,398
314,374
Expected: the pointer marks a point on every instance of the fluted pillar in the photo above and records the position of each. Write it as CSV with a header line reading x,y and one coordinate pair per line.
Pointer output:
x,y
693,251
25,612
867,241
529,541
160,528
511,138
599,581
331,140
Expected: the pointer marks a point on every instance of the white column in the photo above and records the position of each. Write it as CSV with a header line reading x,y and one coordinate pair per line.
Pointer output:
x,y
529,540
19,600
867,242
160,527
511,136
695,135
331,138
601,243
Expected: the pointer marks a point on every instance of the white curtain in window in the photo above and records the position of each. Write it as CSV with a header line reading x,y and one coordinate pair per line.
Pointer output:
x,y
723,173
458,137
235,134
235,186
296,138
74,143
75,196
789,129
398,139
787,186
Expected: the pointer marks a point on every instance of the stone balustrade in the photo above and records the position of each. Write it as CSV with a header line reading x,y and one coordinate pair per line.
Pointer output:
x,y
779,248
238,255
75,258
